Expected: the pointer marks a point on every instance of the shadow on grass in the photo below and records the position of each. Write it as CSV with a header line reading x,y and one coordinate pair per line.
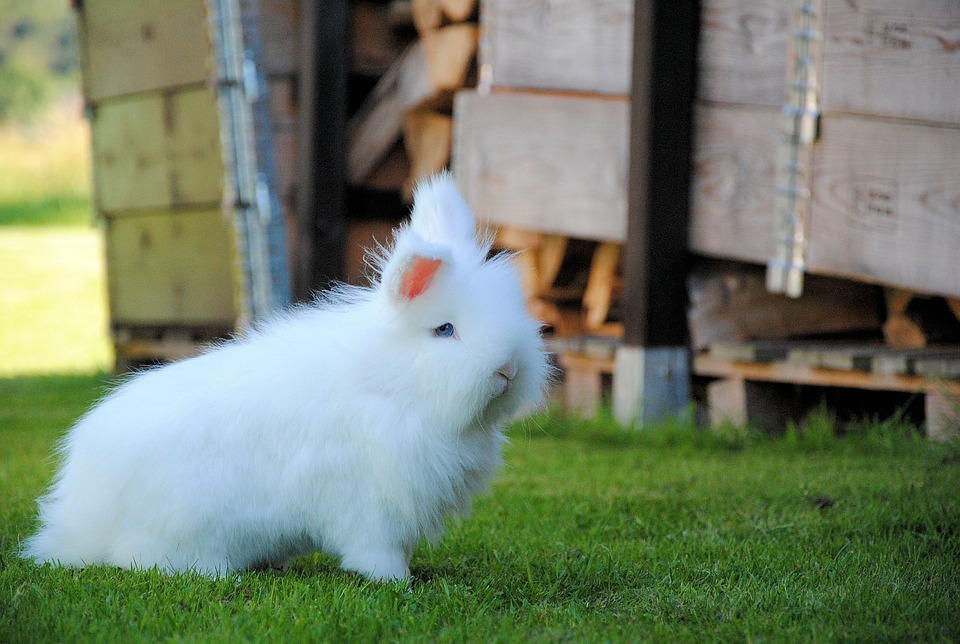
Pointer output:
x,y
52,211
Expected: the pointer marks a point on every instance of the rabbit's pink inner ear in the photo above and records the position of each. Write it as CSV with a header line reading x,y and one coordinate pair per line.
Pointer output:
x,y
417,276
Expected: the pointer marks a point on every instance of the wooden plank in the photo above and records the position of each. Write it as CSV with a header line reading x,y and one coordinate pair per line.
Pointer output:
x,y
942,411
157,150
427,138
171,268
885,193
450,52
939,363
708,365
743,51
881,58
131,47
886,203
554,164
734,182
890,58
761,352
577,45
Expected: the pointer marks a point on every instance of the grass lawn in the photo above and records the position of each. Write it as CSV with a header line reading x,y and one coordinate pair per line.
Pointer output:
x,y
591,533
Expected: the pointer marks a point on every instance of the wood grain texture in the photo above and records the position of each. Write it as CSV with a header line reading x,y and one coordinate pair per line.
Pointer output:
x,y
554,164
893,58
886,196
886,203
171,267
734,182
579,45
133,47
157,150
743,51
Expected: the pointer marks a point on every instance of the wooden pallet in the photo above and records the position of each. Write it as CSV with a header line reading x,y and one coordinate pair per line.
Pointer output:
x,y
746,371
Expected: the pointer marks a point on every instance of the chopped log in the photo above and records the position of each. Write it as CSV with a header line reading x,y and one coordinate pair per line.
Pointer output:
x,y
432,14
915,320
729,302
427,137
602,283
450,53
427,15
378,123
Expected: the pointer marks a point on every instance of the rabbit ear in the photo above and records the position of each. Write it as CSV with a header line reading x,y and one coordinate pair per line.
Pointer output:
x,y
412,267
440,215
417,275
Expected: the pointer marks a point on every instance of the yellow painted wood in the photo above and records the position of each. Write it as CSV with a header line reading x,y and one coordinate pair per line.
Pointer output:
x,y
171,268
132,46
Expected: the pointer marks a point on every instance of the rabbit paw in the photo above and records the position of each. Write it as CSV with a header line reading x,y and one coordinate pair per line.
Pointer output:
x,y
379,565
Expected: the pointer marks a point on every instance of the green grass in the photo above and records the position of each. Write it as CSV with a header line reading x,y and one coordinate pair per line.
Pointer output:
x,y
591,533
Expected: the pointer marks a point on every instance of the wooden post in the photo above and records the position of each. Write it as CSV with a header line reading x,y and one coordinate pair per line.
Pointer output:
x,y
322,151
652,366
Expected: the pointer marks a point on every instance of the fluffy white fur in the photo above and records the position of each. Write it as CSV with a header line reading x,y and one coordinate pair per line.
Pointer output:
x,y
347,426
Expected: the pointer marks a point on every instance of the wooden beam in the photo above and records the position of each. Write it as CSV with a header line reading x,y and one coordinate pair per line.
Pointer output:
x,y
322,154
652,376
664,85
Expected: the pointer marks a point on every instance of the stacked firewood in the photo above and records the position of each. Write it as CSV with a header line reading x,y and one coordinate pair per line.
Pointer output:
x,y
412,103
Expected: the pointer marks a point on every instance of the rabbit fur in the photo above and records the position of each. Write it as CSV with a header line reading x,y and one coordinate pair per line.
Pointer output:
x,y
354,425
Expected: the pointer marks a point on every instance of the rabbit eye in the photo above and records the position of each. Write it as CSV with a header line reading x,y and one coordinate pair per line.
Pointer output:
x,y
445,330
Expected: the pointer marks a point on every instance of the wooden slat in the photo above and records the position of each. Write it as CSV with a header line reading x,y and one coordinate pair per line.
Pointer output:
x,y
548,163
708,365
881,58
141,46
743,51
572,45
893,58
886,203
171,267
885,193
733,183
158,150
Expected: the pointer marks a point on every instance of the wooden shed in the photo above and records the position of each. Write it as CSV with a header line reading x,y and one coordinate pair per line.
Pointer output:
x,y
545,145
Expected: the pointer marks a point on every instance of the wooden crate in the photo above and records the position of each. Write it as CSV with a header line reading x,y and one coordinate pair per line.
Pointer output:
x,y
171,267
575,45
881,58
160,149
131,46
886,170
556,164
886,196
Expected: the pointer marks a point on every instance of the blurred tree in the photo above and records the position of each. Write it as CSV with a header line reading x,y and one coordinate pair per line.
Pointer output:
x,y
38,56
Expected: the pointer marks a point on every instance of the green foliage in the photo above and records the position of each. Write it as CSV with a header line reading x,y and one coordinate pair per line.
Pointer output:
x,y
23,91
592,533
38,55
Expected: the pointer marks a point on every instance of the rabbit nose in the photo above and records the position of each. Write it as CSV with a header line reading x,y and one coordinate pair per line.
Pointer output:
x,y
508,372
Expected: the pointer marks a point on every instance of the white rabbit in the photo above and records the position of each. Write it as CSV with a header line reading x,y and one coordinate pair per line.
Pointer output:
x,y
351,426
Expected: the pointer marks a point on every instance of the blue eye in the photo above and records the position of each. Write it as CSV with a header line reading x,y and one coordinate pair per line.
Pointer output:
x,y
445,330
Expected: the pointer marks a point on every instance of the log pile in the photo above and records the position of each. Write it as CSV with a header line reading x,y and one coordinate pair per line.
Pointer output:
x,y
403,130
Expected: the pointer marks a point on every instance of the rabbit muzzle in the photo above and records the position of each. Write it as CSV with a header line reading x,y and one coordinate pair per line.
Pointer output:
x,y
504,378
